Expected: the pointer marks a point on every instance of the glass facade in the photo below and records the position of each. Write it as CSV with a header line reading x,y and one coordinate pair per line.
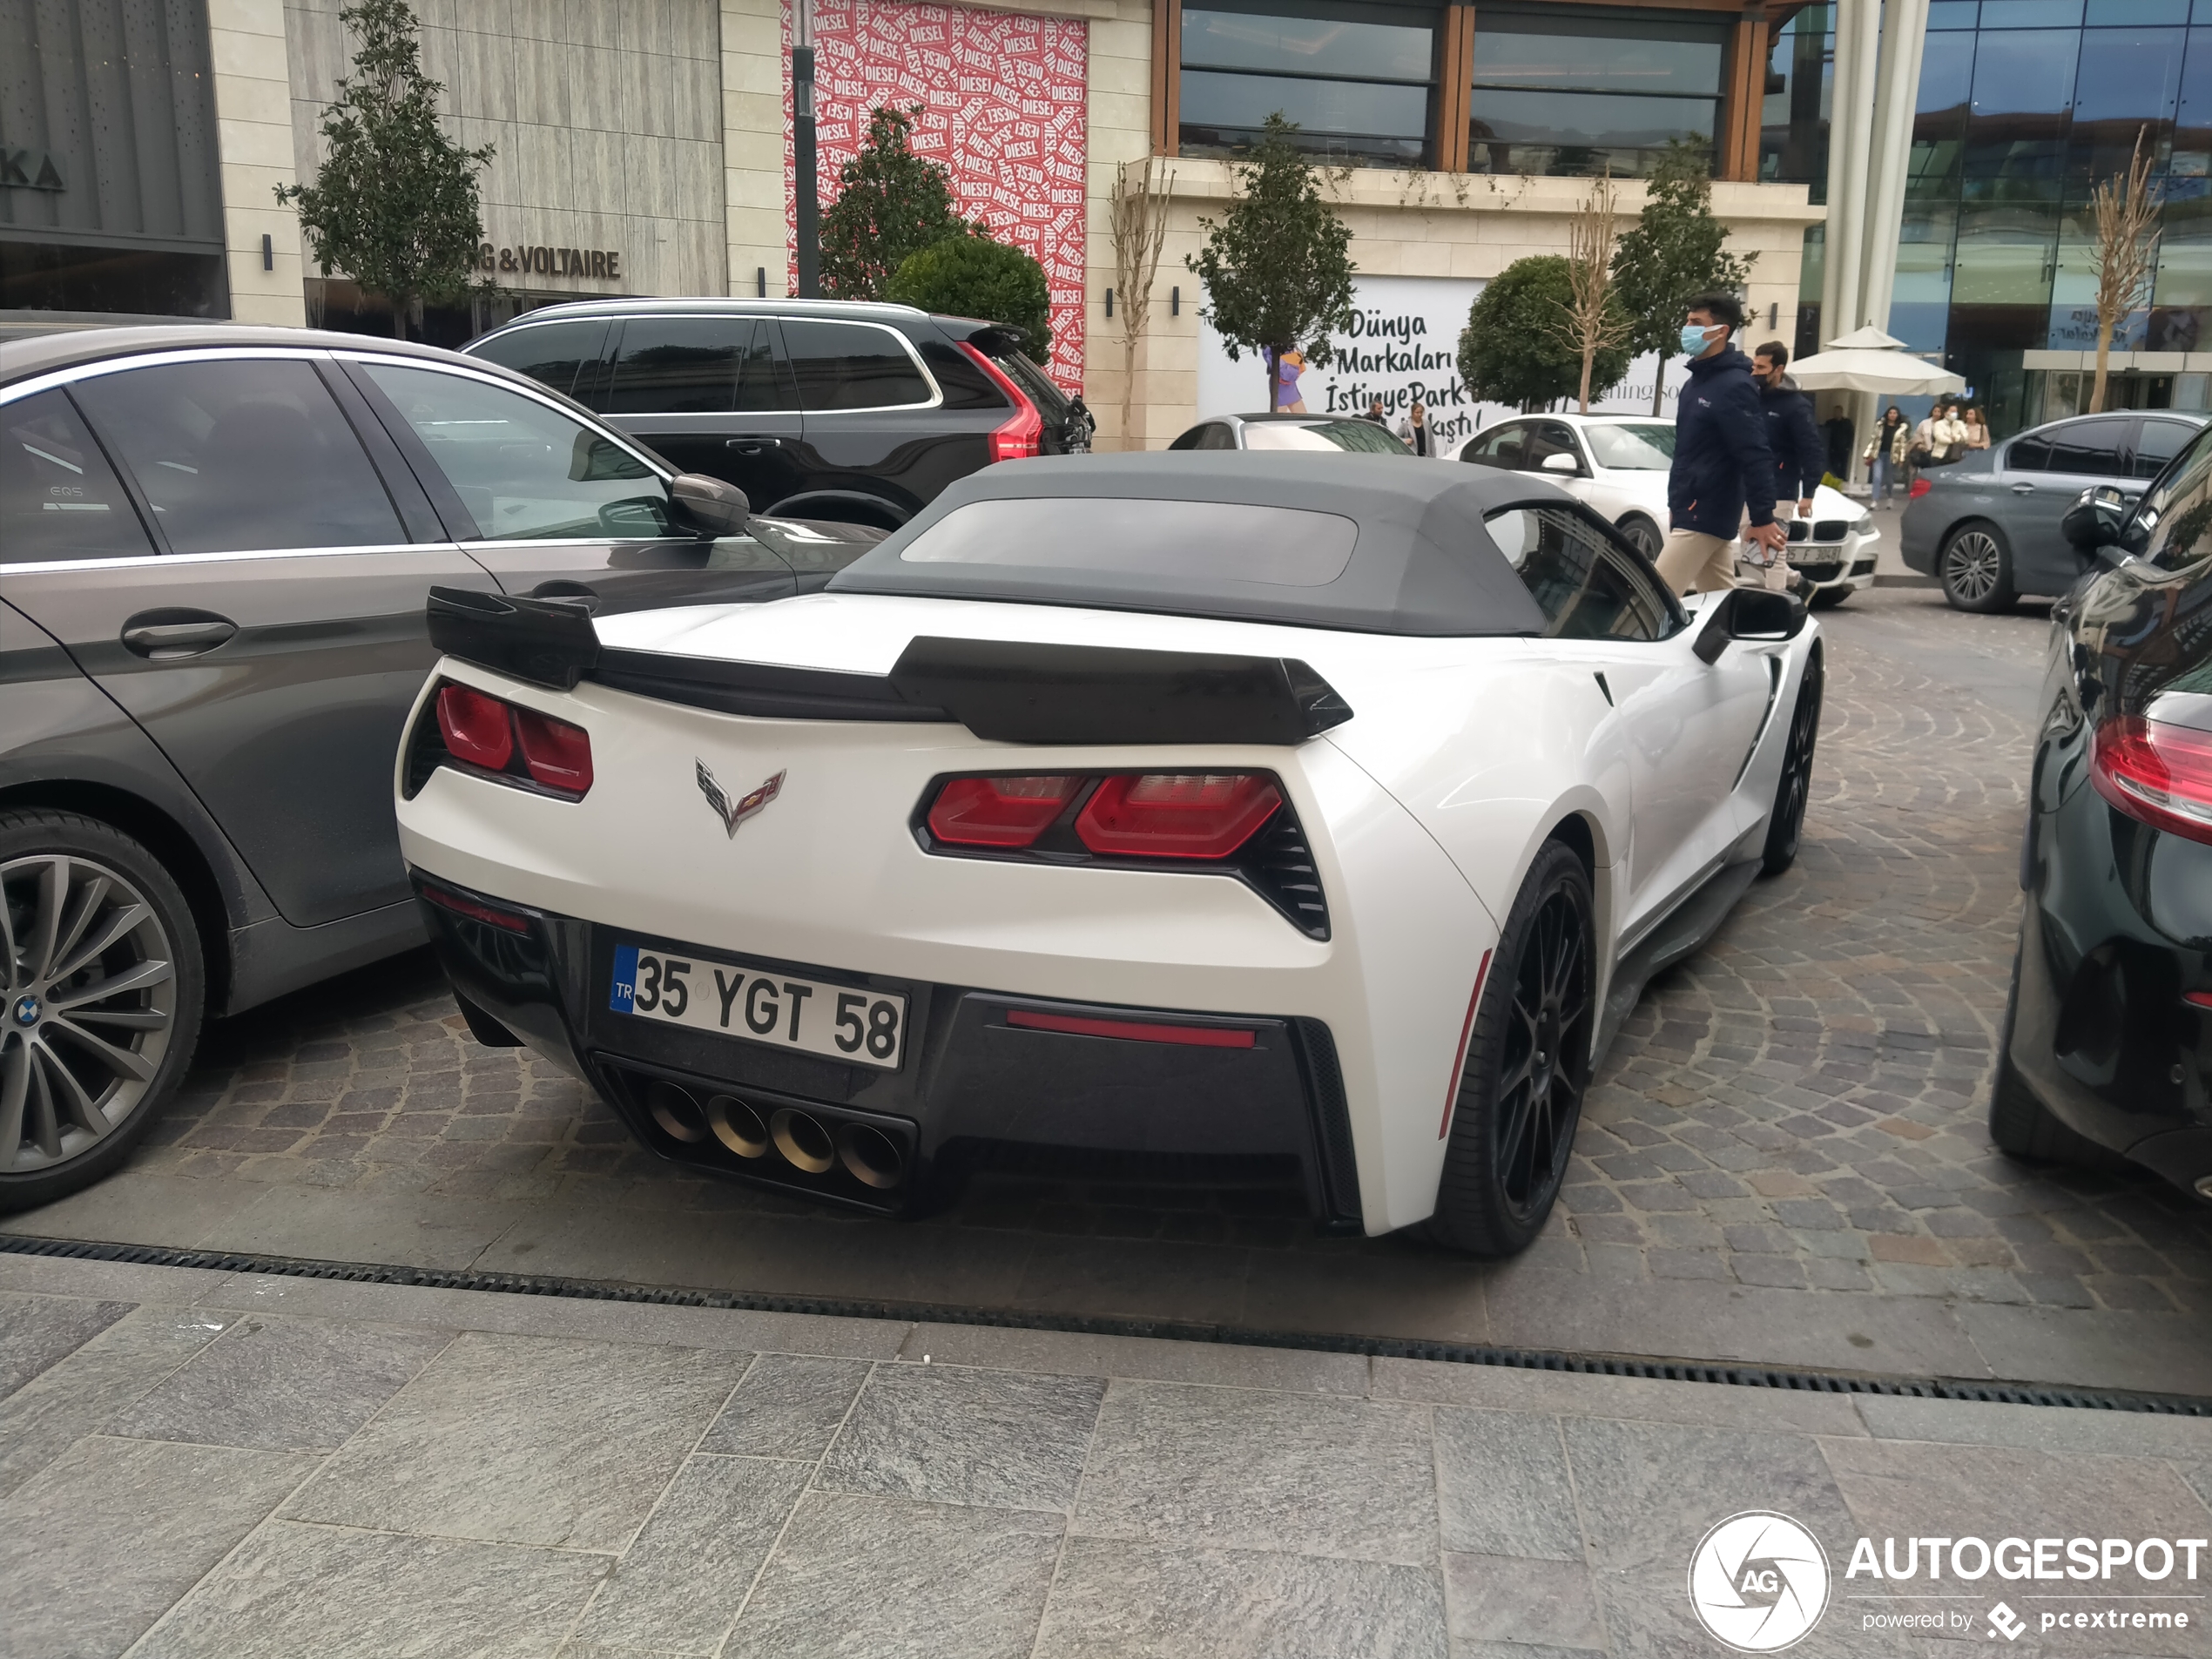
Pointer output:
x,y
1550,89
2024,105
1560,91
1359,80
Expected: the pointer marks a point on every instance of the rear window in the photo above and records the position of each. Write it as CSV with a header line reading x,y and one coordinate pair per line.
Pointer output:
x,y
1363,437
550,352
1123,536
1035,384
852,366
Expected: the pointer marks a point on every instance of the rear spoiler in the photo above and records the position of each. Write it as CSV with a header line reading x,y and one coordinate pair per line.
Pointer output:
x,y
1005,691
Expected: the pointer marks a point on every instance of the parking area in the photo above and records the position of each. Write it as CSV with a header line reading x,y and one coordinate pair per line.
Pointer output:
x,y
1783,1159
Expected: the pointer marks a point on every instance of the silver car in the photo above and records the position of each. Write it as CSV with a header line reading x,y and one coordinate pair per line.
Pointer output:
x,y
1988,526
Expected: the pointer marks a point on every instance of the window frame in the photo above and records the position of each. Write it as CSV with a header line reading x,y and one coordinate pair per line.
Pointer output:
x,y
787,363
444,499
1635,569
317,358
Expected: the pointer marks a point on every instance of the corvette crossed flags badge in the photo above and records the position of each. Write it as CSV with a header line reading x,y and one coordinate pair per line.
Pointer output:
x,y
732,816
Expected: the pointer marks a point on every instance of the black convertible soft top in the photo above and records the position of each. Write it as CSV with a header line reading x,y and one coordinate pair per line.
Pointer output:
x,y
1368,543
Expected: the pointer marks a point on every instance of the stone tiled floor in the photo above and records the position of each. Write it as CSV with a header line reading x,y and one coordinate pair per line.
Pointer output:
x,y
198,1464
1798,1109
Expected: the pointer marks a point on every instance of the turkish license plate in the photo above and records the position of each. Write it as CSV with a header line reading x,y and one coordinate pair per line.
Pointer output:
x,y
837,1021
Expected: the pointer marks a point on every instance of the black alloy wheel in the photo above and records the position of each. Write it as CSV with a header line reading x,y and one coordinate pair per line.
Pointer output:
x,y
1528,1063
1976,568
1785,827
100,965
1643,534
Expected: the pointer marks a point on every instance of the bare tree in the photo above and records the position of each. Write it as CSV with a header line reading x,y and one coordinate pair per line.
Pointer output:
x,y
1591,317
1140,228
2126,210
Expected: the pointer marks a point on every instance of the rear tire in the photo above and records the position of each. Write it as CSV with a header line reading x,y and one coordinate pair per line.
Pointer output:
x,y
1975,565
1785,825
1528,1063
2021,1126
85,1071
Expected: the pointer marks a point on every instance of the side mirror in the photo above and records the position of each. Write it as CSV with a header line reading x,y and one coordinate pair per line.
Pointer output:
x,y
2094,521
1562,462
1748,613
711,506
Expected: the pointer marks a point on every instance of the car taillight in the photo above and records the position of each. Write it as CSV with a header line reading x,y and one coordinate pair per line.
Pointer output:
x,y
476,728
998,811
557,754
499,736
1176,814
1021,437
2158,773
1921,487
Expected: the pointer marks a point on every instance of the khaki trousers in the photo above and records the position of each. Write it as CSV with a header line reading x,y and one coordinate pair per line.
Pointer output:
x,y
1691,561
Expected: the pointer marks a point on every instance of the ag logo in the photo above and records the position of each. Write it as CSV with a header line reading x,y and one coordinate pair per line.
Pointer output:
x,y
1759,1581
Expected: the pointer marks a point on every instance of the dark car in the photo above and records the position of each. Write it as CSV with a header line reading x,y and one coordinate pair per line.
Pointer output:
x,y
2107,1051
1988,525
815,409
216,545
1281,431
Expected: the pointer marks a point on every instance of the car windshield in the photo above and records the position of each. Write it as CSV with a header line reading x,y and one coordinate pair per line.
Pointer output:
x,y
1363,437
1648,446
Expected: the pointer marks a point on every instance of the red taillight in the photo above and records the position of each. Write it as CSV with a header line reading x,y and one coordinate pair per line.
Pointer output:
x,y
487,733
998,811
1023,435
475,728
2159,773
1921,487
1176,814
557,754
476,911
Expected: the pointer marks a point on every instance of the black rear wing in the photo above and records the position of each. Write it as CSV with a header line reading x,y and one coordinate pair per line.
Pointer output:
x,y
1005,691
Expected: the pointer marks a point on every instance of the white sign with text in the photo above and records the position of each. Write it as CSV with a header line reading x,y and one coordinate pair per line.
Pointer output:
x,y
1402,346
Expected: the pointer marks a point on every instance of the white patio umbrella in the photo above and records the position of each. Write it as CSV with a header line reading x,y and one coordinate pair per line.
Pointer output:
x,y
1869,361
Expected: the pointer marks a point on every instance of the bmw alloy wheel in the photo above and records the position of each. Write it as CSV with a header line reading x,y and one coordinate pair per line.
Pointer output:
x,y
1973,567
90,1009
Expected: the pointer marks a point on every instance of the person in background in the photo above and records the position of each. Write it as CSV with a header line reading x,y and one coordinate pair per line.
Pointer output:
x,y
1839,432
1375,412
1798,460
1948,436
1977,430
1414,429
1722,468
1886,453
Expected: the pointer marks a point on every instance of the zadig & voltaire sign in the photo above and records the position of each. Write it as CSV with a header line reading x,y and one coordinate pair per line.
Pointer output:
x,y
588,264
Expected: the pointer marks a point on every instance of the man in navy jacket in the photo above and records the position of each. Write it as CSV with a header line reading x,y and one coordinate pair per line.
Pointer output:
x,y
1800,458
1722,466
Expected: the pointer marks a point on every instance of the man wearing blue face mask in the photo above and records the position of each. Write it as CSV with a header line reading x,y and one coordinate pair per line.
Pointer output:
x,y
1723,468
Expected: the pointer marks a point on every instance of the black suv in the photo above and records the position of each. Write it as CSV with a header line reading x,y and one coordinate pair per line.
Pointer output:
x,y
822,408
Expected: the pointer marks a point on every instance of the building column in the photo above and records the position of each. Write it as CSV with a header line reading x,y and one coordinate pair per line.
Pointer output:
x,y
254,126
1851,138
1905,32
752,147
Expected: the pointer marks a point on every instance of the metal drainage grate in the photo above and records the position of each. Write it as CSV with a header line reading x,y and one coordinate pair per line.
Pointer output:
x,y
1458,1353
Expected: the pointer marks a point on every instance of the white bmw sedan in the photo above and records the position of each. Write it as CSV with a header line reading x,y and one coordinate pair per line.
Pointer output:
x,y
1618,464
1291,817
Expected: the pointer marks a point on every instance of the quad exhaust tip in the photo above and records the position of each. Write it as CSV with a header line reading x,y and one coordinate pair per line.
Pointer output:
x,y
803,1140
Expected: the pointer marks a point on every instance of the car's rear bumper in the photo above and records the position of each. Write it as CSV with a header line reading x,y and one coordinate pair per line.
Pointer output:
x,y
971,1089
2103,1033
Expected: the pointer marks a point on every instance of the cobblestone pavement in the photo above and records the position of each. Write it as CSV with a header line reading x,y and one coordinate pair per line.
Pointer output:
x,y
1798,1109
196,1464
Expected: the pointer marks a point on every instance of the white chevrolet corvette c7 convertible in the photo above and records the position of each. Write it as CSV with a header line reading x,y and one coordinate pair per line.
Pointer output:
x,y
1312,819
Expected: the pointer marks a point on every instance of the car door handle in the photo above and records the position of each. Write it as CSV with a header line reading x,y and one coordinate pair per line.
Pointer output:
x,y
158,635
2023,489
752,446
